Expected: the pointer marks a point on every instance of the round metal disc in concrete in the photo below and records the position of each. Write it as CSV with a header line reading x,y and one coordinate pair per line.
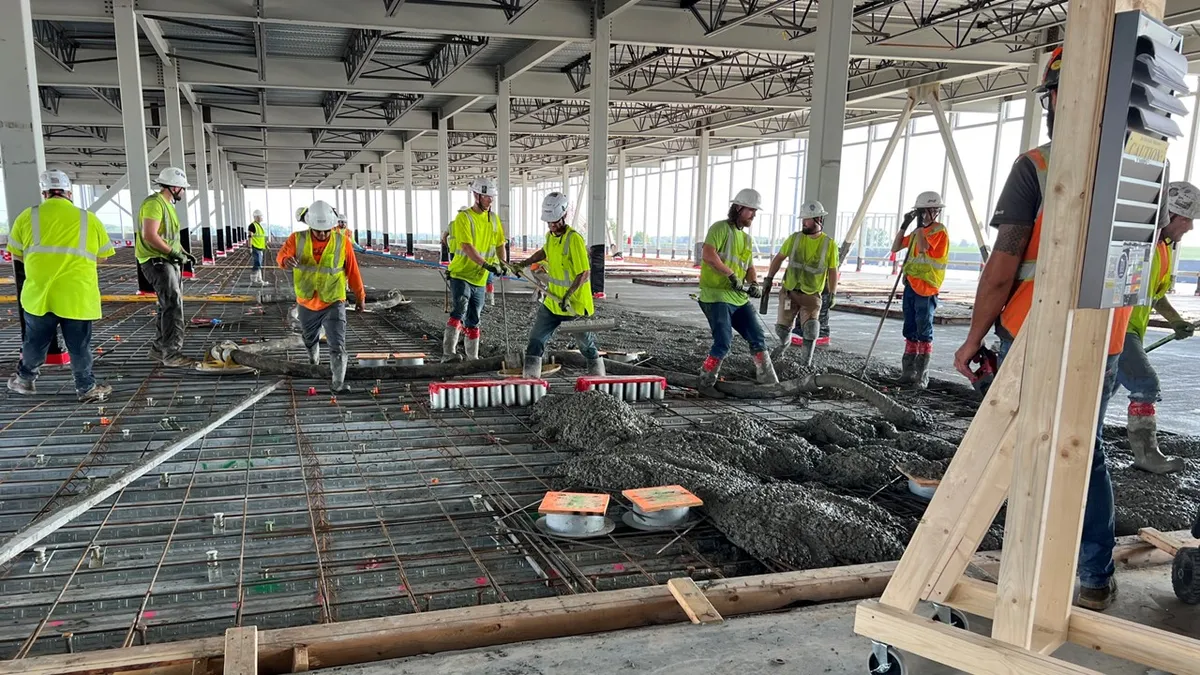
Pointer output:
x,y
609,526
630,518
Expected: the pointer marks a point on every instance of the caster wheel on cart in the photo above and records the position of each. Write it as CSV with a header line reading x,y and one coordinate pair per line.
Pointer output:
x,y
886,661
1185,575
951,616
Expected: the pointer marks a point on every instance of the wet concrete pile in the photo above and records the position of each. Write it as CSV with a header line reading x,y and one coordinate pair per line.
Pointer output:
x,y
735,466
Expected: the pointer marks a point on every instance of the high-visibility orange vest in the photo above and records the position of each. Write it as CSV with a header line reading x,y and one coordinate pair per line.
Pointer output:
x,y
1019,302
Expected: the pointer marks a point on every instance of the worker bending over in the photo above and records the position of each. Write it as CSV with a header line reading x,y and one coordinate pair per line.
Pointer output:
x,y
727,279
1134,371
258,248
1003,298
58,244
473,235
924,271
565,259
322,261
162,258
812,258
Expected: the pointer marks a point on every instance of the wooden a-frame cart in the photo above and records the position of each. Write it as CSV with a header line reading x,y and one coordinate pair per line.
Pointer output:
x,y
1031,442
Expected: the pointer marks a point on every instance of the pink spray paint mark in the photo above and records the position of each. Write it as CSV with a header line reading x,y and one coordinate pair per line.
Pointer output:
x,y
149,614
618,567
481,581
56,623
402,588
235,604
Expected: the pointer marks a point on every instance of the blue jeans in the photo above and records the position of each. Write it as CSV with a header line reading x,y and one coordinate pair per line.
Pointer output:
x,y
543,329
1135,373
467,302
40,332
256,259
724,318
918,315
1099,517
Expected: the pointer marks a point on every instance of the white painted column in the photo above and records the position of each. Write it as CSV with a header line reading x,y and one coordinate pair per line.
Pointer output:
x,y
177,151
621,201
133,121
443,151
528,216
504,153
566,182
218,197
596,181
21,133
368,193
354,207
828,114
409,222
701,212
385,208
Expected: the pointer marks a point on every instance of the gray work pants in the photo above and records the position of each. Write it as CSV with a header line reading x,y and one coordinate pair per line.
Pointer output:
x,y
332,319
167,281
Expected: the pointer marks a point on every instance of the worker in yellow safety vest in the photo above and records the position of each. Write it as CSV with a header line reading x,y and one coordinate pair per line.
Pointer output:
x,y
258,247
474,235
1134,371
812,258
322,262
161,258
564,258
58,244
924,271
727,281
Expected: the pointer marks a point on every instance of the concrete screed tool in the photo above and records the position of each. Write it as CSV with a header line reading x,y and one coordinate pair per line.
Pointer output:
x,y
1169,338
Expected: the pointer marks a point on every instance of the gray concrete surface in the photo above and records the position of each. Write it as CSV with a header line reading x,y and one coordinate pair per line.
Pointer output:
x,y
1178,411
811,640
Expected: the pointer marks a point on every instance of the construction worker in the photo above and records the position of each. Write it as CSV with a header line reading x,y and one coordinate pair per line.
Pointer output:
x,y
343,226
258,248
473,235
565,256
1003,299
301,212
924,271
812,258
322,262
727,280
58,243
161,259
448,241
1134,371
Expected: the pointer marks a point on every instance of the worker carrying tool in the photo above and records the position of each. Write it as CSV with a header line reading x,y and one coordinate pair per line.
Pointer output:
x,y
322,262
473,234
727,279
1003,298
565,259
924,271
161,259
812,258
1134,371
59,243
258,248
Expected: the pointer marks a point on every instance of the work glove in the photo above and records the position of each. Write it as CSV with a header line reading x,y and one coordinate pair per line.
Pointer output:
x,y
734,282
832,301
516,268
181,257
495,268
564,305
908,218
754,291
1183,330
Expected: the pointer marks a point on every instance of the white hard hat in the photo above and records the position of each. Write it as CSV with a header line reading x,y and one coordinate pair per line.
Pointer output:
x,y
172,177
484,186
256,214
554,207
929,200
300,213
320,216
54,180
813,209
748,198
1183,199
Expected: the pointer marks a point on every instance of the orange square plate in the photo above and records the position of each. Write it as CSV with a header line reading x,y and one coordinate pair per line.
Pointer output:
x,y
574,503
653,499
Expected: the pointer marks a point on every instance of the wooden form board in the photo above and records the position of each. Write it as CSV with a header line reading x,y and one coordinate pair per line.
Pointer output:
x,y
693,601
241,651
1031,442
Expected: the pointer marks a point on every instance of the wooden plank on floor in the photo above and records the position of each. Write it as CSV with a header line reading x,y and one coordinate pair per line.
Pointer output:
x,y
110,660
955,647
692,600
300,659
241,651
1164,542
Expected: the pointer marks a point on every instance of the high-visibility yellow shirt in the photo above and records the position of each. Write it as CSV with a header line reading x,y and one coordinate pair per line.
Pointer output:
x,y
156,207
567,258
1160,285
734,247
258,236
59,244
324,278
809,262
478,230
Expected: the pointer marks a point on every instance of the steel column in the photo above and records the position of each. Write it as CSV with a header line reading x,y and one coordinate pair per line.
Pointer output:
x,y
202,187
133,121
1191,152
597,186
527,216
877,177
620,236
214,154
354,205
177,151
504,153
385,208
230,196
409,223
960,174
370,202
828,114
702,198
443,152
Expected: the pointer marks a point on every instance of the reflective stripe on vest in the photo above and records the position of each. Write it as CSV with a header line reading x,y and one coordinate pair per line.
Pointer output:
x,y
727,252
564,281
1028,268
310,279
458,246
80,251
803,266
